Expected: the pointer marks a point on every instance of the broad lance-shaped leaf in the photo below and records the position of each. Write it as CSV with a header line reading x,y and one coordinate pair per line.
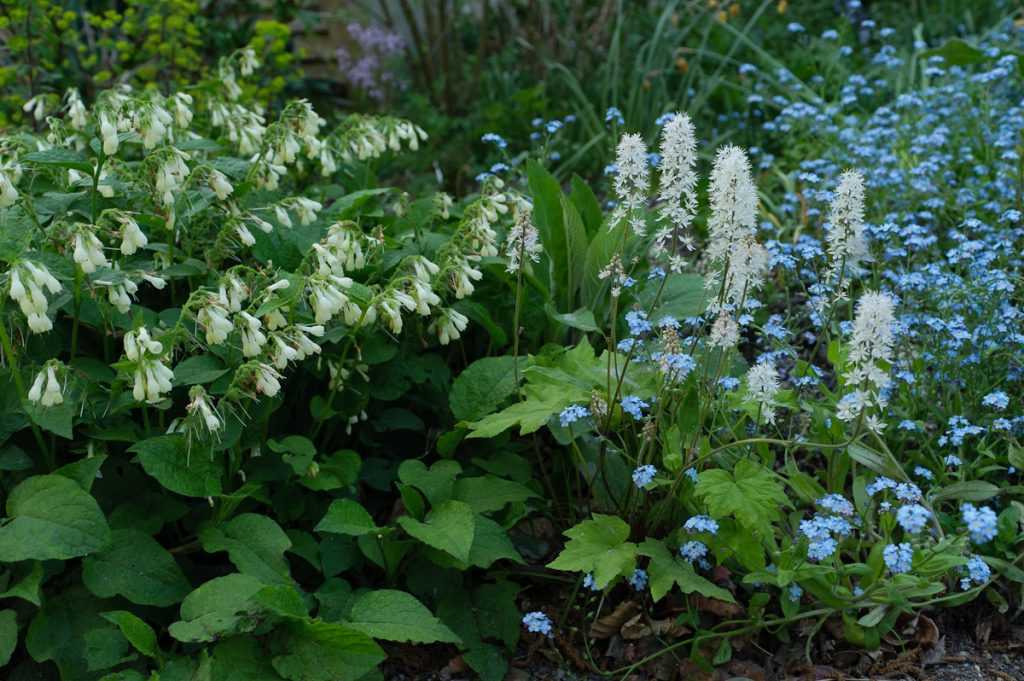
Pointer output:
x,y
167,458
8,635
70,631
238,658
321,651
751,493
397,616
665,570
345,516
211,611
449,527
483,386
51,518
137,567
255,544
599,546
138,633
491,543
490,493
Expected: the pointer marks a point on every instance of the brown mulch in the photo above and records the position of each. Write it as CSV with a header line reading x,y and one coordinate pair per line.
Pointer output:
x,y
972,643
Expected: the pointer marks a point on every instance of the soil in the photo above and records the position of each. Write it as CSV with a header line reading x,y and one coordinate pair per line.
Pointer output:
x,y
969,644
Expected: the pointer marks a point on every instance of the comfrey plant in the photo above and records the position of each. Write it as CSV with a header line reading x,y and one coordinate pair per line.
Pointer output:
x,y
198,301
698,441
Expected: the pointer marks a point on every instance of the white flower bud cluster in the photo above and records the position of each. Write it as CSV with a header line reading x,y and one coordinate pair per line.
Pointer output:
x,y
449,325
28,281
478,222
77,114
327,297
36,107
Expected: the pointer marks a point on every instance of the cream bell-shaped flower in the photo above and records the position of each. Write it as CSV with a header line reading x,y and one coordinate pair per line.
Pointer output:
x,y
88,250
132,237
46,390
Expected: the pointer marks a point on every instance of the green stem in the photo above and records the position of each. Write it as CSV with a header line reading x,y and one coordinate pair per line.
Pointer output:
x,y
19,385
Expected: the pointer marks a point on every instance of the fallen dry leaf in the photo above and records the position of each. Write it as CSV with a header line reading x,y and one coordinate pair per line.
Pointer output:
x,y
722,609
637,627
611,624
746,670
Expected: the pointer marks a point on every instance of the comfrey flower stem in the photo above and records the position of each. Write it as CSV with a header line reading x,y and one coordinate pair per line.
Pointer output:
x,y
12,360
77,293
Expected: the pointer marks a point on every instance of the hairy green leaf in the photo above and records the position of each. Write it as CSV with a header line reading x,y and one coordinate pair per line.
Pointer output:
x,y
166,458
138,633
449,527
137,567
397,616
51,518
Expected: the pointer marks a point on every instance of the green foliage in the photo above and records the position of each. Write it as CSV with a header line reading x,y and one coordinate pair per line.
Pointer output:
x,y
217,312
598,545
275,408
751,493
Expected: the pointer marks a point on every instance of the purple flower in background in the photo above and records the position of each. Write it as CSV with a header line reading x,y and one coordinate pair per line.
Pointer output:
x,y
363,64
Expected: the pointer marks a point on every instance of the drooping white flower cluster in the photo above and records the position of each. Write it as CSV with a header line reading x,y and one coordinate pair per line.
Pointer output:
x,y
132,237
152,378
46,389
28,281
9,177
171,175
120,290
154,118
677,193
366,137
199,405
870,355
632,182
847,246
88,249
